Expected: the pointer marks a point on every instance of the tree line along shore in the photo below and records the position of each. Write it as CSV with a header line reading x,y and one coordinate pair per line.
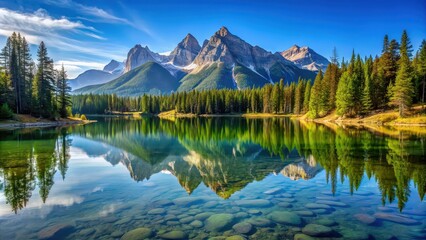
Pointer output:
x,y
389,88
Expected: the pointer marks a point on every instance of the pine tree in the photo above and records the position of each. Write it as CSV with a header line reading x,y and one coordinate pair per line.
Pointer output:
x,y
43,84
315,98
366,94
275,99
306,97
345,95
402,92
64,89
421,71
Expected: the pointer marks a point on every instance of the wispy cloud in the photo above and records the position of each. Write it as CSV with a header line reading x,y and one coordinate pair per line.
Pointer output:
x,y
59,33
100,15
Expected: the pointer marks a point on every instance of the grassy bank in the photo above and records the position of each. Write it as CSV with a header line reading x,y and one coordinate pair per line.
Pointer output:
x,y
28,121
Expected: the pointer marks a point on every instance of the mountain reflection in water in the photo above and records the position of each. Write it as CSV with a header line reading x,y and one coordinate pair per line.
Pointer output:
x,y
225,154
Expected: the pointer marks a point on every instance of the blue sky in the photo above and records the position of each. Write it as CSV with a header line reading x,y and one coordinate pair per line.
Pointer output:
x,y
87,34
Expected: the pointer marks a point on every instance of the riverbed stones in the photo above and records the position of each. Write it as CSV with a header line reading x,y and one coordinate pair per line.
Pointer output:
x,y
137,234
175,234
273,191
396,218
188,201
196,224
285,204
235,237
301,236
203,216
332,203
242,228
56,232
219,222
241,215
317,206
186,219
254,203
254,212
156,211
326,222
365,218
316,230
284,217
260,222
305,213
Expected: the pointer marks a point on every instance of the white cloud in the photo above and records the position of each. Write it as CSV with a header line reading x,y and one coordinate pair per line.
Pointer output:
x,y
99,14
74,68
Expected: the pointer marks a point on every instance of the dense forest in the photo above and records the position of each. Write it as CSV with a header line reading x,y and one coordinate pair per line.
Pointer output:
x,y
30,88
356,87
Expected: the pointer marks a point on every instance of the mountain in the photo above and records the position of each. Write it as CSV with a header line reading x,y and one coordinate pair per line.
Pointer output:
x,y
94,76
223,61
185,52
306,58
114,66
150,78
227,61
139,55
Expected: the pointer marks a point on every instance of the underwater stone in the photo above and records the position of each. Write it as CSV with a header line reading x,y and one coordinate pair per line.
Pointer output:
x,y
196,224
137,234
365,218
253,203
243,227
235,237
56,232
326,222
317,206
186,220
316,230
186,201
219,222
175,234
305,213
285,217
241,215
332,203
203,216
273,191
156,211
301,236
396,219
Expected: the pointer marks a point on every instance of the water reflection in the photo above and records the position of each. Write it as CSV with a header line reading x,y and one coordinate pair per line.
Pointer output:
x,y
225,154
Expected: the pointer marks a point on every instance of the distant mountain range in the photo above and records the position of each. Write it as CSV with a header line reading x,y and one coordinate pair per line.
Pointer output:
x,y
224,61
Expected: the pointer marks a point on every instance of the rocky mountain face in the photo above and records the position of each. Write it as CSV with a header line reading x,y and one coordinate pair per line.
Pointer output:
x,y
114,67
223,61
306,58
139,55
185,52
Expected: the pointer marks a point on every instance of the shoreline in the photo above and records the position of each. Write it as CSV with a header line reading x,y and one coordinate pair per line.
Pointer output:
x,y
42,124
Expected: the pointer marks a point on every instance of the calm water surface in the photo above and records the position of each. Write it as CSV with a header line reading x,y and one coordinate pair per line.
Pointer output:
x,y
202,178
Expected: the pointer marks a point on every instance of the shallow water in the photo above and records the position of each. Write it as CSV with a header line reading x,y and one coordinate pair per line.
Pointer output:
x,y
206,177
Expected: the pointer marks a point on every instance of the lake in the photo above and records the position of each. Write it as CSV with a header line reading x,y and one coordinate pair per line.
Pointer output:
x,y
199,178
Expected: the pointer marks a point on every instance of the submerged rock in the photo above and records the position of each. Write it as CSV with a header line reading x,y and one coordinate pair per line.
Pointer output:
x,y
138,234
396,218
285,217
253,203
305,213
156,211
273,191
301,236
332,203
317,230
326,222
235,237
219,222
59,231
196,224
365,218
260,222
317,206
187,201
243,227
203,216
175,234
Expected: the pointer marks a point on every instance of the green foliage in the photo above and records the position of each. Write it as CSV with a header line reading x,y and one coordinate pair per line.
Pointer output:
x,y
5,112
402,92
